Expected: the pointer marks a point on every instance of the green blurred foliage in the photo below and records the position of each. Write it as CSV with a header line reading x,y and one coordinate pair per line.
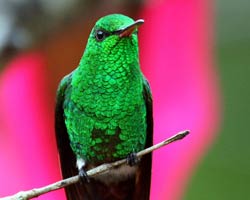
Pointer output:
x,y
225,171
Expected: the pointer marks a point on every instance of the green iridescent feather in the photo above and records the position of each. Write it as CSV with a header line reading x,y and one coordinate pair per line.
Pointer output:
x,y
104,103
104,113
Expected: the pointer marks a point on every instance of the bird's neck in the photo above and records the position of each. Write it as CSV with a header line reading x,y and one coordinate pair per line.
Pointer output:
x,y
107,72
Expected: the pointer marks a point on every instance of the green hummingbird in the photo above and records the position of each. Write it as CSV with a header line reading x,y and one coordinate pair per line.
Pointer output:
x,y
104,113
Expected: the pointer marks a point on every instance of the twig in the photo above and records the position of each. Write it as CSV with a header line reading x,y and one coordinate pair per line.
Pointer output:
x,y
25,195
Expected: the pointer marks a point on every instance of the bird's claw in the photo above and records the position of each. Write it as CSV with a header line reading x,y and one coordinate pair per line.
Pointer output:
x,y
132,159
84,178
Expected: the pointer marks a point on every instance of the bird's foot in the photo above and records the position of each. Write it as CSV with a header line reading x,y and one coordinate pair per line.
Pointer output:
x,y
132,159
84,178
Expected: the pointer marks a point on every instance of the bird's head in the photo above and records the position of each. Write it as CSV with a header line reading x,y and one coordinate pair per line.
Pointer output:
x,y
113,39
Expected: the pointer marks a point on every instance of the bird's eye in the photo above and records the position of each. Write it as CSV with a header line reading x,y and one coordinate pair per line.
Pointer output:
x,y
100,35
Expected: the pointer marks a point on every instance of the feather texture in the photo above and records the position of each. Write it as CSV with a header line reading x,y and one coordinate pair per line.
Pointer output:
x,y
103,114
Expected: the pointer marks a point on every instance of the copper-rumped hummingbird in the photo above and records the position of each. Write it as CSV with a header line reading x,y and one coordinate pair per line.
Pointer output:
x,y
104,113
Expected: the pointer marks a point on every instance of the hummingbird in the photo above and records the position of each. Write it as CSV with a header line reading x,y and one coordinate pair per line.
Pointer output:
x,y
104,113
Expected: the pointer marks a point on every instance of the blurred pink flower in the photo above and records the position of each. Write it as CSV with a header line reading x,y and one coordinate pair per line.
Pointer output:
x,y
175,49
28,152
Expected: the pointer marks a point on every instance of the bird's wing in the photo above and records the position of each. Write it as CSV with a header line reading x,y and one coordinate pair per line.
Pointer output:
x,y
143,177
66,155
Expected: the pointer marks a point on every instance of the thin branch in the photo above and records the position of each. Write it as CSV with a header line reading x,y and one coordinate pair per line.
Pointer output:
x,y
25,195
